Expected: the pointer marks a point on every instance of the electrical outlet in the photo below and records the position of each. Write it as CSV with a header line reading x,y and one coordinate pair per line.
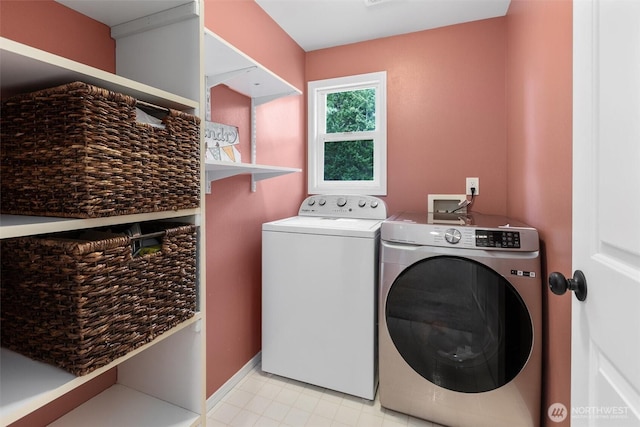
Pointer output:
x,y
475,183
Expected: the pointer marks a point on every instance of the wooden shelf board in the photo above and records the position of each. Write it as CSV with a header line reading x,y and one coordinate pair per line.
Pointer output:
x,y
224,64
25,225
219,170
27,385
26,69
123,406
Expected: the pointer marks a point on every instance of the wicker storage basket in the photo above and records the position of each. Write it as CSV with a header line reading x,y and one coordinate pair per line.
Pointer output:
x,y
80,304
77,151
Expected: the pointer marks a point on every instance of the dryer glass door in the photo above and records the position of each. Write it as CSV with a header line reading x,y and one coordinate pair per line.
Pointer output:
x,y
459,324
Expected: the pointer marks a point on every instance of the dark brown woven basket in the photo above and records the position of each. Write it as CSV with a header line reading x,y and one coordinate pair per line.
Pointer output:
x,y
80,304
77,151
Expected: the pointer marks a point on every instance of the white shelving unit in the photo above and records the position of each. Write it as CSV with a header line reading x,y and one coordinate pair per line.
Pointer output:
x,y
225,64
163,382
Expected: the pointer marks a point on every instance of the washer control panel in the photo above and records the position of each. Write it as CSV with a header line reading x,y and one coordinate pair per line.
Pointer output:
x,y
344,206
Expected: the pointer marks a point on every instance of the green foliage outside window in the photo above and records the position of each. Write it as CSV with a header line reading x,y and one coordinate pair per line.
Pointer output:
x,y
348,160
350,111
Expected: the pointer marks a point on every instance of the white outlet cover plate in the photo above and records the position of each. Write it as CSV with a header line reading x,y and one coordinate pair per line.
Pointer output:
x,y
477,186
459,198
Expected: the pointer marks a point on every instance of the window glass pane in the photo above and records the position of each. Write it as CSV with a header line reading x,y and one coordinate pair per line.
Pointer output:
x,y
348,160
347,135
351,111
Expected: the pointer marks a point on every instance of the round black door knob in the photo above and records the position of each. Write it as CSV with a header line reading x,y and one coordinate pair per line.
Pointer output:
x,y
559,284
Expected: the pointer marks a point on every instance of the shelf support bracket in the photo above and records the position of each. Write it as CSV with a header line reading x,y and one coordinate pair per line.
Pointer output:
x,y
253,142
216,79
268,98
207,182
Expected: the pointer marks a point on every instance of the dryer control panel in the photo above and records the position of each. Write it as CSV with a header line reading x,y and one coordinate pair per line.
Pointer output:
x,y
344,206
482,232
497,239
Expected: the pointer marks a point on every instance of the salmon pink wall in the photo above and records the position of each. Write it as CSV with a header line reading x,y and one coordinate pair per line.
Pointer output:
x,y
539,117
445,109
77,37
87,41
234,215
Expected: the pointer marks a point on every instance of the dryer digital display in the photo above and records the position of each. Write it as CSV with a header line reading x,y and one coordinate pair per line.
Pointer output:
x,y
497,239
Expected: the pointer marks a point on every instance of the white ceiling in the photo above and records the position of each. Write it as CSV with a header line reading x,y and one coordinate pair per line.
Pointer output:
x,y
317,24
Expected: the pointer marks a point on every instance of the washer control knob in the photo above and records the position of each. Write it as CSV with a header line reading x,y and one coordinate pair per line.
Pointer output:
x,y
362,203
322,202
452,236
311,202
342,201
374,204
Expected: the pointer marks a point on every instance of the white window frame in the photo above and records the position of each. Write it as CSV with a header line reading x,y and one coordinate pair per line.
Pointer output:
x,y
317,136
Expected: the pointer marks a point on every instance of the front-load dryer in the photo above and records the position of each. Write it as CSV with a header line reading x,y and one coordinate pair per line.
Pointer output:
x,y
460,320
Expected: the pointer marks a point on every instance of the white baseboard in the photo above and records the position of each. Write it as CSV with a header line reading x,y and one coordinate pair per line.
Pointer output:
x,y
219,394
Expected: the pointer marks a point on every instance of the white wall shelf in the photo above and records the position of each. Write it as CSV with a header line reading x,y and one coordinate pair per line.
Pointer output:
x,y
225,64
216,170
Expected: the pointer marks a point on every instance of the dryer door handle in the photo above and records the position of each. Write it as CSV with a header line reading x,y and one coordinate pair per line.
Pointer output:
x,y
559,284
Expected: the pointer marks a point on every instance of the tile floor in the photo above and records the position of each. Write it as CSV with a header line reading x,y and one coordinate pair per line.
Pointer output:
x,y
262,399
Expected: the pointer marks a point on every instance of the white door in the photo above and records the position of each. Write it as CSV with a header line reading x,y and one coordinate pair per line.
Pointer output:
x,y
605,374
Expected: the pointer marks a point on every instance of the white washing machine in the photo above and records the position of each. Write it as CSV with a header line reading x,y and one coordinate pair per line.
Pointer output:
x,y
460,320
319,293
